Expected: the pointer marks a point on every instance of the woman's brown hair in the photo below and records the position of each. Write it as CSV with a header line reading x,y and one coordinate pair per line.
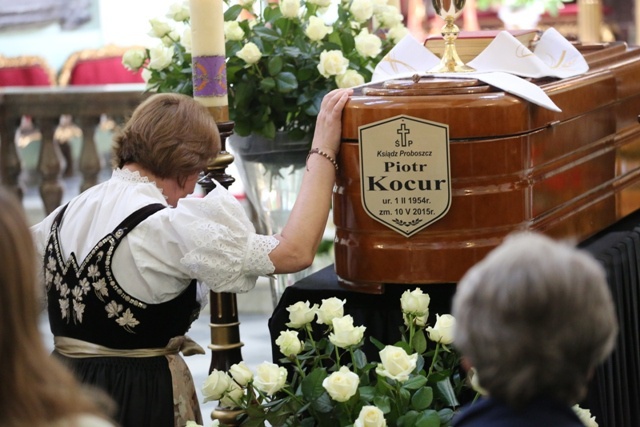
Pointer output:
x,y
35,388
169,134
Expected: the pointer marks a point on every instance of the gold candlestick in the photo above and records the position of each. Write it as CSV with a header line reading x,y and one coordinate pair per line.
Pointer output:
x,y
449,10
210,89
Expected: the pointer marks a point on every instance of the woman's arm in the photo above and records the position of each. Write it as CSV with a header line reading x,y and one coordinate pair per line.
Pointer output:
x,y
302,234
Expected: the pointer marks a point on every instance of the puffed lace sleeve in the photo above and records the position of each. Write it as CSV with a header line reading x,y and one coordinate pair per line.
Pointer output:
x,y
220,246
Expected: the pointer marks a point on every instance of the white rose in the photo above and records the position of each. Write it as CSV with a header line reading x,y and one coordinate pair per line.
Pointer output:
x,y
270,378
332,63
233,31
301,314
133,59
396,363
170,38
350,78
389,16
216,384
179,12
368,45
241,373
344,333
415,302
186,39
442,331
417,320
250,53
330,308
159,28
290,8
370,416
317,30
289,343
232,398
585,416
146,75
320,3
475,382
341,385
160,57
397,33
362,10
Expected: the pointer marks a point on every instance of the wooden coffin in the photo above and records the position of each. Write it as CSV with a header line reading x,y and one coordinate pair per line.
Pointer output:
x,y
513,166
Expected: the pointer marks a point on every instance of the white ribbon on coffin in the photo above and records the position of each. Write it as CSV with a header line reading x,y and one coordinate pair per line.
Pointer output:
x,y
501,64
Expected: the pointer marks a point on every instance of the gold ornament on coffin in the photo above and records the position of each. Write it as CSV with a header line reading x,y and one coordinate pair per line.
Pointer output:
x,y
449,10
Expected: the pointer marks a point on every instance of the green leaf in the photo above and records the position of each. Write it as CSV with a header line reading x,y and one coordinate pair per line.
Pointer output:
x,y
415,382
446,415
419,363
367,393
274,66
268,84
408,419
359,359
291,51
448,393
232,13
266,33
419,342
244,94
334,37
405,346
308,422
428,418
383,403
312,384
286,82
271,13
404,397
379,345
242,129
422,398
323,404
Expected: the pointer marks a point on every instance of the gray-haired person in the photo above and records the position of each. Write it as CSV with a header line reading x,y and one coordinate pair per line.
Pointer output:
x,y
534,319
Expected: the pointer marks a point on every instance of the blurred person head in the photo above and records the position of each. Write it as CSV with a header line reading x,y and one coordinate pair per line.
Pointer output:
x,y
534,318
171,135
35,388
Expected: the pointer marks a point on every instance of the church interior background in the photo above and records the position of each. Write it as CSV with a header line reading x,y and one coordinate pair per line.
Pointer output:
x,y
56,29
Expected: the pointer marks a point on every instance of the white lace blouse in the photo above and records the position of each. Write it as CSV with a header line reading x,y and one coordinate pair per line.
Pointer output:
x,y
205,238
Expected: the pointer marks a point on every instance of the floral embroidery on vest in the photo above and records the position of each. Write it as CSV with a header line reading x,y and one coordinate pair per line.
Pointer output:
x,y
70,301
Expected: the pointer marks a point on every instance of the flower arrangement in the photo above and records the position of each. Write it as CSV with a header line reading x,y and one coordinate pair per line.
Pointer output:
x,y
281,60
325,378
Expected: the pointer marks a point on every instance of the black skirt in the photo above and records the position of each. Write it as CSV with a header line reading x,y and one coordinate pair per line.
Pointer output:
x,y
141,387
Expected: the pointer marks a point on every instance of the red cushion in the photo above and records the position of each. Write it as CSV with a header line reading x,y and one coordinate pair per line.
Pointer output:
x,y
103,71
29,75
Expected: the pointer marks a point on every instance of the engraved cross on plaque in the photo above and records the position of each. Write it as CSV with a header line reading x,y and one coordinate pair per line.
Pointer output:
x,y
403,132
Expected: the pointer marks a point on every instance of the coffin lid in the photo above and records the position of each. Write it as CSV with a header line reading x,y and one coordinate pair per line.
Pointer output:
x,y
473,109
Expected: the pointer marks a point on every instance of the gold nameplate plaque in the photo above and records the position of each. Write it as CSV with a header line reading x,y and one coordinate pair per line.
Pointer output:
x,y
404,172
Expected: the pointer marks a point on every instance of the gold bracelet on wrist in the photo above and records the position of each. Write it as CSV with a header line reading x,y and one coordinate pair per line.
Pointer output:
x,y
323,154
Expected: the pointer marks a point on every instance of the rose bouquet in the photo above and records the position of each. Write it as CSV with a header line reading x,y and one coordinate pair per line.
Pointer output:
x,y
281,60
325,379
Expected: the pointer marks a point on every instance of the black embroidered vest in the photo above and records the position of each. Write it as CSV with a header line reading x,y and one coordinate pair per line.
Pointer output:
x,y
85,301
